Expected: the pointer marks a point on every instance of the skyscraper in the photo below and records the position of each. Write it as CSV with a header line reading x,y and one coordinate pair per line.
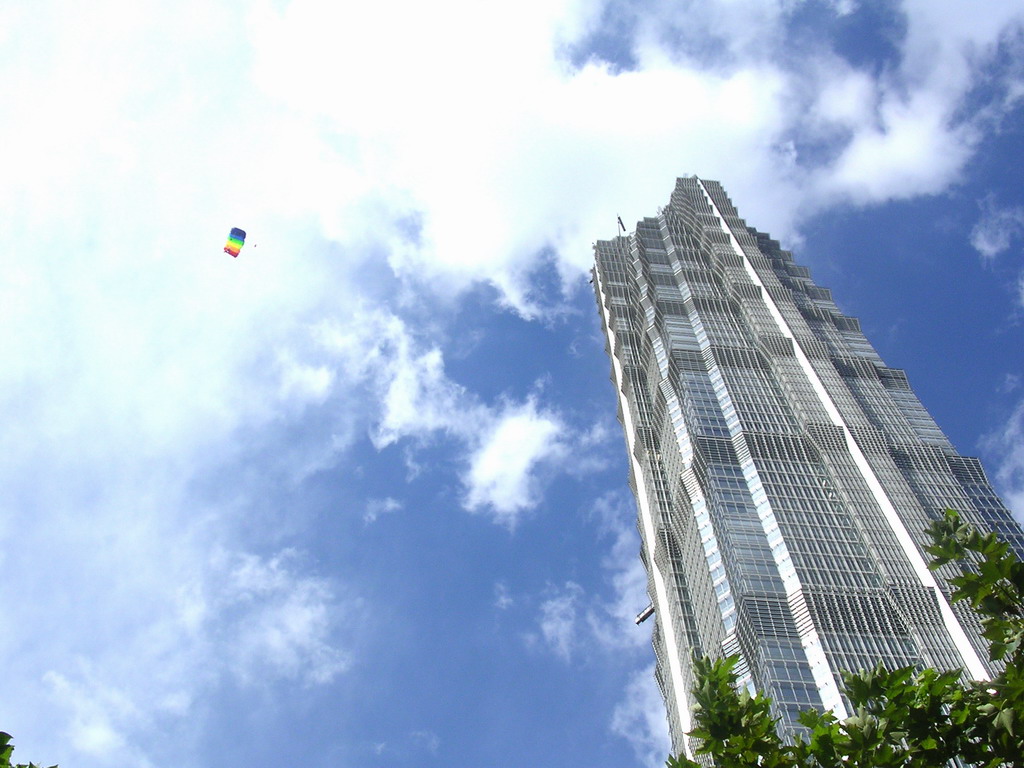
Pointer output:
x,y
784,475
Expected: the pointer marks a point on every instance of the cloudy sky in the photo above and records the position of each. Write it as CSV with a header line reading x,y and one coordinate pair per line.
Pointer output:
x,y
358,498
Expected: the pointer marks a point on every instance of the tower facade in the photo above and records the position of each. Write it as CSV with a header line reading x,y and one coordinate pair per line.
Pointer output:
x,y
784,475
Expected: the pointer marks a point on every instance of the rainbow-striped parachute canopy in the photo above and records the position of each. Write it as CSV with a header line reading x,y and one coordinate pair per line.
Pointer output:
x,y
235,241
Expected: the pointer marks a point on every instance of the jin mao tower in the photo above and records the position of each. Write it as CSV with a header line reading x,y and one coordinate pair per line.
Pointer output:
x,y
784,474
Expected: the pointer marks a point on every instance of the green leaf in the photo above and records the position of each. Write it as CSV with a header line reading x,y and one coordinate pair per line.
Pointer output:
x,y
1005,720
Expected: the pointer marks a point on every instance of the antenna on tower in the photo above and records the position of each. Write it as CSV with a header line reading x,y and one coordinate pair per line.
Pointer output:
x,y
621,224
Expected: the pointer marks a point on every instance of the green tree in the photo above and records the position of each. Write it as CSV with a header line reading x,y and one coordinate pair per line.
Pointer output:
x,y
903,718
6,748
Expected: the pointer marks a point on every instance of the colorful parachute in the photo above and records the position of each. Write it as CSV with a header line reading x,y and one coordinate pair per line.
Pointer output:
x,y
235,241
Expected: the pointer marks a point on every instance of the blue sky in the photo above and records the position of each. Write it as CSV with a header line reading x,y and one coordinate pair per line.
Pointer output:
x,y
358,498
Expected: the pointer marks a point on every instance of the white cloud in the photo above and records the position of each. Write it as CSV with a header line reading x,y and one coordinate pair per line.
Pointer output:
x,y
845,7
377,507
845,97
905,131
427,740
286,623
420,399
502,597
411,395
640,719
602,622
343,138
509,446
557,619
518,123
1006,445
612,622
918,138
303,382
137,619
913,152
574,624
997,228
502,473
95,710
